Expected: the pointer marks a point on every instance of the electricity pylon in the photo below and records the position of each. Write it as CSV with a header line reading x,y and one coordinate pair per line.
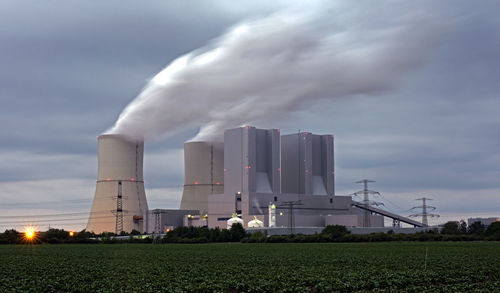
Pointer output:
x,y
366,200
425,211
119,210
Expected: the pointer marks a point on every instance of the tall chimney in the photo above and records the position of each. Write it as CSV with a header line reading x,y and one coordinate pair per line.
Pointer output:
x,y
120,200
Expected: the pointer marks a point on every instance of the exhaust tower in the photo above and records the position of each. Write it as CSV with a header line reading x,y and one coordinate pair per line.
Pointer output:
x,y
120,200
204,174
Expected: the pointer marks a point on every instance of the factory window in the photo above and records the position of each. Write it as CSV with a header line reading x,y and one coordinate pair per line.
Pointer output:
x,y
275,198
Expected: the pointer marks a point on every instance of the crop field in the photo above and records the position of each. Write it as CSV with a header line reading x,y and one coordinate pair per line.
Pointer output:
x,y
287,267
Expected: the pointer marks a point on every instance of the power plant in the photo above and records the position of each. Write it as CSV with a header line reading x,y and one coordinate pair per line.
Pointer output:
x,y
257,174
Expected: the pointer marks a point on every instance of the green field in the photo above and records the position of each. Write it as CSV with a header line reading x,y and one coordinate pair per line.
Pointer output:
x,y
288,267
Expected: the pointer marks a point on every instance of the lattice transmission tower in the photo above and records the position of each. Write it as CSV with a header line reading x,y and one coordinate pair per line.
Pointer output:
x,y
425,211
119,210
157,230
366,200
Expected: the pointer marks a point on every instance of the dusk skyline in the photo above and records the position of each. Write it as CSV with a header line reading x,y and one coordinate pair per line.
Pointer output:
x,y
69,70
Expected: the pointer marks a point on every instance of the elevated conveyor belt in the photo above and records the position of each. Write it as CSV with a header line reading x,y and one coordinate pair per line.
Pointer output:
x,y
387,214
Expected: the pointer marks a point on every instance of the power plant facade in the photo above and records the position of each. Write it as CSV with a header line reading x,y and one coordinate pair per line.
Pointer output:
x,y
120,200
293,173
252,160
260,175
307,164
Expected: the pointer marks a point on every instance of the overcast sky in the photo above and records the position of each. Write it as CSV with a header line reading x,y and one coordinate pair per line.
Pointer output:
x,y
68,69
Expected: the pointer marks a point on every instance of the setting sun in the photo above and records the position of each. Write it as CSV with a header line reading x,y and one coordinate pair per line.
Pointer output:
x,y
29,233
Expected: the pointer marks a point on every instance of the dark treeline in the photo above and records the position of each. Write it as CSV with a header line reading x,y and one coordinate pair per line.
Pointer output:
x,y
57,236
451,231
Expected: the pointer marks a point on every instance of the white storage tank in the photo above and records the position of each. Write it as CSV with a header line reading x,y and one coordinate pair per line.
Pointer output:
x,y
255,223
234,220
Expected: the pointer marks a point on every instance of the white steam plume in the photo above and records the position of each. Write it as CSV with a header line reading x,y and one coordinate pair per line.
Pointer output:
x,y
262,70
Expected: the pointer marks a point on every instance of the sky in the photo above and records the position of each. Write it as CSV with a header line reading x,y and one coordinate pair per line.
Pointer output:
x,y
69,68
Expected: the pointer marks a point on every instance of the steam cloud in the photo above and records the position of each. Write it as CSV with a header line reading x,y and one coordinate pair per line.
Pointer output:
x,y
262,70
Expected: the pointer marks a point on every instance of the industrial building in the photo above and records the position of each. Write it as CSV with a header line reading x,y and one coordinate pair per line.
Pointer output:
x,y
259,174
282,181
484,221
160,221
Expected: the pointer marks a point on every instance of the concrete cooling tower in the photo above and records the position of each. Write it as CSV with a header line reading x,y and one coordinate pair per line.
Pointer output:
x,y
204,174
120,200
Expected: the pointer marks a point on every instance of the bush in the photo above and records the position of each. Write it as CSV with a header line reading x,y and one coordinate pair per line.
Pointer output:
x,y
203,234
135,232
333,232
254,237
10,237
224,236
454,227
493,231
257,235
84,235
57,234
278,239
476,228
237,232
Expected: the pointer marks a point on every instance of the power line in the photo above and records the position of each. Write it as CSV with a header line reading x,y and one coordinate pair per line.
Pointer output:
x,y
52,220
79,200
48,224
52,215
291,217
401,209
65,201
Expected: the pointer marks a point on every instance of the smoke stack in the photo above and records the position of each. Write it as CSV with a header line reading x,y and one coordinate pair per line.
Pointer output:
x,y
204,174
120,200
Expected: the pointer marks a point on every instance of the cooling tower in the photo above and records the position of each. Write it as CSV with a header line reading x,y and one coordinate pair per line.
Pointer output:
x,y
119,201
204,174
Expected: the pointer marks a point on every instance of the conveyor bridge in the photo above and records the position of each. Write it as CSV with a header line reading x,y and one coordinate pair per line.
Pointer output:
x,y
396,218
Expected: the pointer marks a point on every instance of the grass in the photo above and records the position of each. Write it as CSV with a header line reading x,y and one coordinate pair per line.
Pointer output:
x,y
287,267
